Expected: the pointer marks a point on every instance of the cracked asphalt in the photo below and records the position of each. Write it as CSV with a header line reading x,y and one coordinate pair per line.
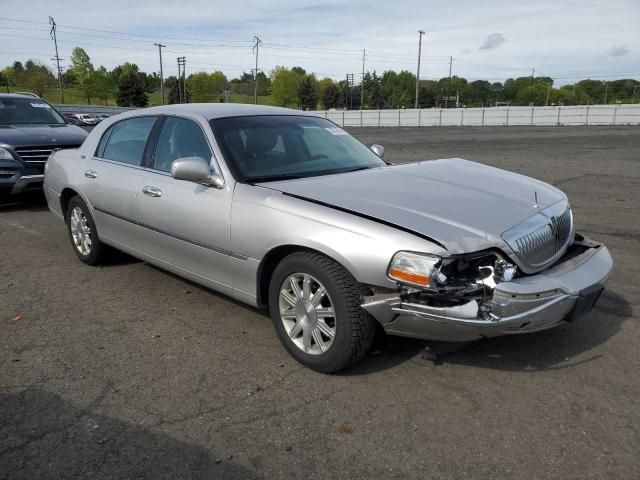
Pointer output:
x,y
126,372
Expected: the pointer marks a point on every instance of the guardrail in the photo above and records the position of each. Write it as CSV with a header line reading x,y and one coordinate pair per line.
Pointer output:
x,y
91,109
488,116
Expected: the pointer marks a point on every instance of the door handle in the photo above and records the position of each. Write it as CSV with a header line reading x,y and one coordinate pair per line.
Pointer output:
x,y
91,174
152,191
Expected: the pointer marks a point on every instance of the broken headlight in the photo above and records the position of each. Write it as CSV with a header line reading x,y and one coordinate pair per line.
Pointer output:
x,y
417,269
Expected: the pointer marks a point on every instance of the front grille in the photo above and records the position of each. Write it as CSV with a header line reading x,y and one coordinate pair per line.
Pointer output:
x,y
543,238
39,155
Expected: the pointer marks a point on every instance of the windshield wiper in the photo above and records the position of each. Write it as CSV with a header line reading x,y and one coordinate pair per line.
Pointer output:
x,y
274,178
355,169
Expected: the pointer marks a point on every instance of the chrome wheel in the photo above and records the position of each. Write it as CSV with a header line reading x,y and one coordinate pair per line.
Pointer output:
x,y
307,313
80,231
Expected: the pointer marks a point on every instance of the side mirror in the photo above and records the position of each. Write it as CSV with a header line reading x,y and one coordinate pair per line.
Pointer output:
x,y
195,169
377,149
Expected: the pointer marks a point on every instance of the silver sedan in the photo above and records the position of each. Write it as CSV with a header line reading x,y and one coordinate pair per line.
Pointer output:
x,y
282,209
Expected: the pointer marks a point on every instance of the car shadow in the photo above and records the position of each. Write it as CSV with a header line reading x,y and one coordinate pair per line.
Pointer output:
x,y
45,436
27,202
547,350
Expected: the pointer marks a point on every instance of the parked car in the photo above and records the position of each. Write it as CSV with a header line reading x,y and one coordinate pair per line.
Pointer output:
x,y
71,118
30,129
86,119
282,209
102,116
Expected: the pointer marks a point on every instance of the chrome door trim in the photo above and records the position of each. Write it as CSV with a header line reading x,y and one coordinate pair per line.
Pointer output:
x,y
207,246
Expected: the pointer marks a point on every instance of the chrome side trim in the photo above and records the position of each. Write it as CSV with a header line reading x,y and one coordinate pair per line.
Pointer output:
x,y
191,241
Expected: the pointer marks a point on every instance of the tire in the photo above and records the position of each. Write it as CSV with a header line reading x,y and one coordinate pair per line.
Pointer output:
x,y
339,311
97,250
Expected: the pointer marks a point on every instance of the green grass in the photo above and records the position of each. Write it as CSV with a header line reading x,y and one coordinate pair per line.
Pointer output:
x,y
73,96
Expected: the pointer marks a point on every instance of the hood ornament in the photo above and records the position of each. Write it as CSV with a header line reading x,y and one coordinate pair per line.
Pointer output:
x,y
535,199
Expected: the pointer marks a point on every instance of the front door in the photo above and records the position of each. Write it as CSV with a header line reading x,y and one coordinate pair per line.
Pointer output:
x,y
185,224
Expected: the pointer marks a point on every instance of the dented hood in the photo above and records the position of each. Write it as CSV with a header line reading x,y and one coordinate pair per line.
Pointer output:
x,y
463,205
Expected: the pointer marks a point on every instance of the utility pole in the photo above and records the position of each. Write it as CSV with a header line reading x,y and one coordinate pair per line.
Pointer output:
x,y
446,100
256,47
606,90
159,45
179,77
547,100
420,34
364,53
350,83
533,72
184,79
182,91
52,22
633,99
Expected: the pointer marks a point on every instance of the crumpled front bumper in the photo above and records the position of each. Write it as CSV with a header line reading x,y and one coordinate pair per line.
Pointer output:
x,y
532,303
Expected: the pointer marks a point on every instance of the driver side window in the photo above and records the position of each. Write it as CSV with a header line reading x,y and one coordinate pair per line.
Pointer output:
x,y
179,138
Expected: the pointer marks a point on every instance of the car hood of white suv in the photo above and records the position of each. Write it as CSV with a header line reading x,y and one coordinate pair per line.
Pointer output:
x,y
463,205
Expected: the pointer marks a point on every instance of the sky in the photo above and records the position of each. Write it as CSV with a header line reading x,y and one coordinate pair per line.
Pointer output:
x,y
565,39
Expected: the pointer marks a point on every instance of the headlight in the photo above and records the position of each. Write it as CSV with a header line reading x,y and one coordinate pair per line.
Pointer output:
x,y
5,154
414,268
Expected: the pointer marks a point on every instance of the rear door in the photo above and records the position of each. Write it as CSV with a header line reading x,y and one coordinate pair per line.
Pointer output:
x,y
111,177
185,224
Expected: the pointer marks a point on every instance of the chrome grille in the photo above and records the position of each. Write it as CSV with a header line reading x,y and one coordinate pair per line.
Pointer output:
x,y
543,238
39,155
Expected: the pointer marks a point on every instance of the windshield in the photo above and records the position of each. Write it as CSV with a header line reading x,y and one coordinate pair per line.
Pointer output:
x,y
19,111
265,148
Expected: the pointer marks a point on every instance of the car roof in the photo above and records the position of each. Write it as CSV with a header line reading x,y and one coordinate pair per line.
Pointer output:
x,y
19,95
222,110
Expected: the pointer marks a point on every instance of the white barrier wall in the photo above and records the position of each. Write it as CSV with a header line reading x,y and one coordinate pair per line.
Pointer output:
x,y
91,109
488,116
433,117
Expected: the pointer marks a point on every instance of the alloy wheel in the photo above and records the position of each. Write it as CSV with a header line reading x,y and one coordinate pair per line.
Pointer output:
x,y
307,313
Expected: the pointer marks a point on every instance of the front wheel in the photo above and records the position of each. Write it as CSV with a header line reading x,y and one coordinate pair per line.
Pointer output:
x,y
315,307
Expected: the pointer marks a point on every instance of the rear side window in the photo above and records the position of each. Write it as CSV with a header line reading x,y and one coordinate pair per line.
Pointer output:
x,y
179,138
125,141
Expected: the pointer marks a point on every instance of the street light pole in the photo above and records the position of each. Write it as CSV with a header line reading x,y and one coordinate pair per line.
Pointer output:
x,y
420,34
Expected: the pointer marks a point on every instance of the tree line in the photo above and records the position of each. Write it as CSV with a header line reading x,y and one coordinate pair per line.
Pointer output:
x,y
294,87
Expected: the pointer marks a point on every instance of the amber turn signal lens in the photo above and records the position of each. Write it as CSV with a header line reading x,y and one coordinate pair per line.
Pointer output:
x,y
409,277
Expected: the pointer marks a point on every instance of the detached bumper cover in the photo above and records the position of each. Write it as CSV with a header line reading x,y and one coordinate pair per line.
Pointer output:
x,y
561,293
27,181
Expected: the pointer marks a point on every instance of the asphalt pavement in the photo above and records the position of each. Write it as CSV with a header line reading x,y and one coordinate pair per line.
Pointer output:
x,y
126,371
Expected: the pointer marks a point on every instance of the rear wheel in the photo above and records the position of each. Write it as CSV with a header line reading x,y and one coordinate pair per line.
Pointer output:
x,y
315,307
83,234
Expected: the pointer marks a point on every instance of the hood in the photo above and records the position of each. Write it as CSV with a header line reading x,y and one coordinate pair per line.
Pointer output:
x,y
31,135
463,205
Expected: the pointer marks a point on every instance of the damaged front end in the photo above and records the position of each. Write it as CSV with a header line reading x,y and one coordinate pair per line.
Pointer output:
x,y
483,294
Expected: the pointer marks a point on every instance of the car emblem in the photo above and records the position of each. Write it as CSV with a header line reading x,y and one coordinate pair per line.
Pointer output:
x,y
555,231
